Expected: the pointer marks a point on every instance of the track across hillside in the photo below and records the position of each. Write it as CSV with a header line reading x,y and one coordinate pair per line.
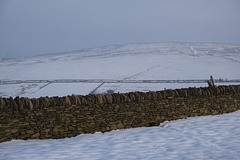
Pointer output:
x,y
6,82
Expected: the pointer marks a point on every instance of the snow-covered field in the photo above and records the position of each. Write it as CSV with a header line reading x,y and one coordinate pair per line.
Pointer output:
x,y
150,61
199,138
210,137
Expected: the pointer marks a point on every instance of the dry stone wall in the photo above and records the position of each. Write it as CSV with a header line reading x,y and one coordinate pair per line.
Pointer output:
x,y
60,117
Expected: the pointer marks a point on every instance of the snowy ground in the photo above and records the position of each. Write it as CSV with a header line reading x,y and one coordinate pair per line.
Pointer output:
x,y
209,137
145,87
45,89
153,61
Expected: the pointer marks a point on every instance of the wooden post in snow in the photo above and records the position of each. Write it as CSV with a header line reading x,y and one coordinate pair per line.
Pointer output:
x,y
211,84
212,81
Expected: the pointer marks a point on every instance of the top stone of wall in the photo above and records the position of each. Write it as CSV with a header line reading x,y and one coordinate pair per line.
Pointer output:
x,y
42,102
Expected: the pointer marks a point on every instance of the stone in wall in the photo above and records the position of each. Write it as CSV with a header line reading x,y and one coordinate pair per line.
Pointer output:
x,y
74,100
35,102
44,102
13,104
99,99
83,100
2,103
66,101
108,98
169,94
19,103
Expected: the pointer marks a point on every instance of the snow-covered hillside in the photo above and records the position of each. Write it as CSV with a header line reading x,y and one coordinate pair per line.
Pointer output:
x,y
152,61
98,70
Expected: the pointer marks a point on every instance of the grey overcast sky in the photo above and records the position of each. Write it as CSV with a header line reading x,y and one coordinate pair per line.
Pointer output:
x,y
33,27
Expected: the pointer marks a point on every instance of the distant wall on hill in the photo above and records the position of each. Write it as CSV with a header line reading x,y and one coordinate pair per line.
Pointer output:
x,y
60,117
